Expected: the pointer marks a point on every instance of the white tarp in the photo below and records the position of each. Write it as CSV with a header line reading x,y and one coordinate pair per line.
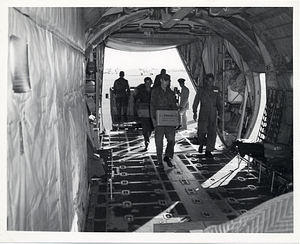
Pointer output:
x,y
47,180
210,55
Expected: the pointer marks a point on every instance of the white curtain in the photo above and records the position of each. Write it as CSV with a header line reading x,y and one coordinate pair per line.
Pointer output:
x,y
210,55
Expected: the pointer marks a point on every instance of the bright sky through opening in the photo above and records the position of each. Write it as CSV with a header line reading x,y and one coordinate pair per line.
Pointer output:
x,y
168,59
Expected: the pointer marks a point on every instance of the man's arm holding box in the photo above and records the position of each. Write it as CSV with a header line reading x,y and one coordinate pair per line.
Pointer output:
x,y
153,106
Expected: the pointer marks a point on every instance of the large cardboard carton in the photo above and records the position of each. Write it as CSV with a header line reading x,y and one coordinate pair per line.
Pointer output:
x,y
167,117
277,150
143,110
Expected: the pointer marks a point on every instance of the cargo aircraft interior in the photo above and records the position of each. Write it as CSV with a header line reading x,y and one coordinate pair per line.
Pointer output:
x,y
67,172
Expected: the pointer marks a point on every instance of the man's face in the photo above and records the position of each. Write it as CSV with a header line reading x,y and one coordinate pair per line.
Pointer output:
x,y
164,83
148,84
210,82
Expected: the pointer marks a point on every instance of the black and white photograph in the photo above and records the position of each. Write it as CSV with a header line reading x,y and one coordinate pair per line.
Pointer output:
x,y
131,121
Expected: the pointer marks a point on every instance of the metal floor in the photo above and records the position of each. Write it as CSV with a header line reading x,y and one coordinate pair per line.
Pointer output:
x,y
143,198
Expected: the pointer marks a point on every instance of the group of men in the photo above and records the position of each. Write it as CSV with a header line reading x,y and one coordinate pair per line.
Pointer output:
x,y
160,96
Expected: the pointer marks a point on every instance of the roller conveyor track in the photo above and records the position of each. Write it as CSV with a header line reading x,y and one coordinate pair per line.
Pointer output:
x,y
143,198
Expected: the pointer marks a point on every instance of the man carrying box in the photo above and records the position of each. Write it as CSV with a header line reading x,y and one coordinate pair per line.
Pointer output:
x,y
142,95
163,99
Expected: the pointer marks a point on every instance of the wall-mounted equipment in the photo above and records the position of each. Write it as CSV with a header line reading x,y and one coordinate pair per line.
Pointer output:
x,y
19,69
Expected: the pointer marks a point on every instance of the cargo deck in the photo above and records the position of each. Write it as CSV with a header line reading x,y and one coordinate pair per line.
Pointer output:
x,y
140,197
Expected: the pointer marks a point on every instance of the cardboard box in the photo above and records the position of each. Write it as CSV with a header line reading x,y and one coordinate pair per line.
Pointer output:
x,y
234,97
275,146
277,150
167,117
144,113
143,110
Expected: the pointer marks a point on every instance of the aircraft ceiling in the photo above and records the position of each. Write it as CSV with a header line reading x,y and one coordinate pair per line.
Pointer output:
x,y
157,28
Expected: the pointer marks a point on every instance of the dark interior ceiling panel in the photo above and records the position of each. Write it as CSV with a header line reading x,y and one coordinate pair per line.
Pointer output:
x,y
148,28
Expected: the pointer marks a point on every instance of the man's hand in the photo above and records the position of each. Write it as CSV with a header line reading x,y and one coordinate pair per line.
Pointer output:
x,y
154,122
181,110
92,117
195,116
220,123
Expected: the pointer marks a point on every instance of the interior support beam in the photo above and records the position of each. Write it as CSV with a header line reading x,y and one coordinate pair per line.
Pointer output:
x,y
266,15
227,11
112,27
99,85
241,41
179,15
141,36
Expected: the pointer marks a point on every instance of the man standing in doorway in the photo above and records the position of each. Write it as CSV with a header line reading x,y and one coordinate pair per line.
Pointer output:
x,y
184,103
163,98
158,77
210,104
122,94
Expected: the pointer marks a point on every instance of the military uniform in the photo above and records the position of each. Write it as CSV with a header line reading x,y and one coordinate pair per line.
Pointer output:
x,y
184,106
122,94
210,104
142,96
163,100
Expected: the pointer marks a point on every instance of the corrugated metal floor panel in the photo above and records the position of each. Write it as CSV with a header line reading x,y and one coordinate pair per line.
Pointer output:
x,y
143,198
